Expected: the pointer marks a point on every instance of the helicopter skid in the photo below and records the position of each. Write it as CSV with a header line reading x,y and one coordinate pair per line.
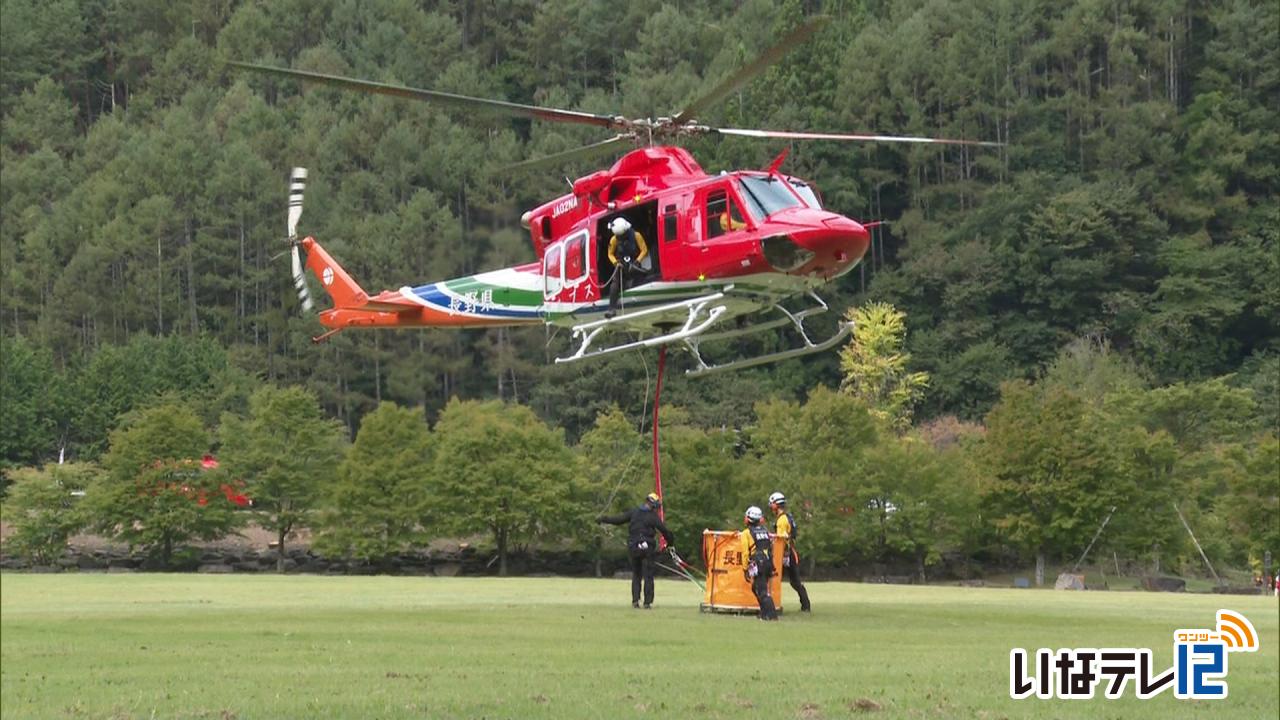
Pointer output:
x,y
808,348
797,321
702,313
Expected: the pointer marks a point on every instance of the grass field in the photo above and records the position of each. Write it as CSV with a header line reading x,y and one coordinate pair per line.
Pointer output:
x,y
193,646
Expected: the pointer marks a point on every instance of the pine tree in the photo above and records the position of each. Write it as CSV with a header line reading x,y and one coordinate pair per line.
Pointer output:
x,y
287,455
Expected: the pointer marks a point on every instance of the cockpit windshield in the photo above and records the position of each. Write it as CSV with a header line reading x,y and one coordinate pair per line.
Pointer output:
x,y
806,192
766,195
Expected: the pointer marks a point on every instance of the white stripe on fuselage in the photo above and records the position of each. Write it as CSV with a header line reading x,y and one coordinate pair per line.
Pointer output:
x,y
745,294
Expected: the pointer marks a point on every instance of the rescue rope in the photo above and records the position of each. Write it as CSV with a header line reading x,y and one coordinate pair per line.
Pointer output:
x,y
622,305
681,562
682,574
644,411
683,569
657,465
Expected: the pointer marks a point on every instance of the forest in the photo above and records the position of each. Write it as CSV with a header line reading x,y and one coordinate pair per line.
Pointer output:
x,y
1087,317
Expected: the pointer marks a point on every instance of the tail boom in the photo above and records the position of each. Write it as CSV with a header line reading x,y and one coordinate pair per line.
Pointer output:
x,y
502,298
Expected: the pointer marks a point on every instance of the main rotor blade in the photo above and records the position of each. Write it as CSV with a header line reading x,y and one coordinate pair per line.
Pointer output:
x,y
466,101
845,136
558,159
747,72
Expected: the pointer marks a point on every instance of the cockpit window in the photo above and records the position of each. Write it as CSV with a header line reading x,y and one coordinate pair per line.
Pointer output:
x,y
806,192
766,195
722,215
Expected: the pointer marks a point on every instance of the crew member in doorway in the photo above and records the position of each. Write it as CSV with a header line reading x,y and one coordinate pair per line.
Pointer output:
x,y
757,550
627,249
642,545
786,530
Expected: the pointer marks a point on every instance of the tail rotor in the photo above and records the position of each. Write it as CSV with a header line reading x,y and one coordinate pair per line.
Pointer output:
x,y
297,186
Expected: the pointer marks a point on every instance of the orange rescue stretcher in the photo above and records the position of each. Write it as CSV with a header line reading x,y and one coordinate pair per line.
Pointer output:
x,y
728,589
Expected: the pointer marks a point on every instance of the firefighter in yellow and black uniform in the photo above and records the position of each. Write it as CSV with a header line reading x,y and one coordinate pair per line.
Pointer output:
x,y
627,251
757,551
786,528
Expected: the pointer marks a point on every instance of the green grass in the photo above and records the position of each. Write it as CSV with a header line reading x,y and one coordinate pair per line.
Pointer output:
x,y
192,646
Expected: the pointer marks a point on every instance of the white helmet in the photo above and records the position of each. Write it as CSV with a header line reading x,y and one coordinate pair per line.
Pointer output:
x,y
777,499
754,514
619,225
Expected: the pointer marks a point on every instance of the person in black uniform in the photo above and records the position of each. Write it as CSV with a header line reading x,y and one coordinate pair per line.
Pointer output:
x,y
642,544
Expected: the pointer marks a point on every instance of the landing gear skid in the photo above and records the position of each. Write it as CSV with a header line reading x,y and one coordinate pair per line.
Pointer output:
x,y
797,321
702,313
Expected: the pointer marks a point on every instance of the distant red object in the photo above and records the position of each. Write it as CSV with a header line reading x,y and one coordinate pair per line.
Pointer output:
x,y
233,491
240,499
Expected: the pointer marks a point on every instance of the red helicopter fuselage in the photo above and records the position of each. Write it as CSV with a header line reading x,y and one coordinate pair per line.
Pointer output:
x,y
757,237
706,226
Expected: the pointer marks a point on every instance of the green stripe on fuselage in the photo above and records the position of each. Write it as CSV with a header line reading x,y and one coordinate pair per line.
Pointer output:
x,y
502,294
506,295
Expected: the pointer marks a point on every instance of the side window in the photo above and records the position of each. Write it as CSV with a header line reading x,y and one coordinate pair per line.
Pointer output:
x,y
722,214
551,270
573,265
717,205
670,224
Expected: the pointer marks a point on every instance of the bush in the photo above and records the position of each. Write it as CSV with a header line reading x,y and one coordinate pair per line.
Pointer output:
x,y
43,510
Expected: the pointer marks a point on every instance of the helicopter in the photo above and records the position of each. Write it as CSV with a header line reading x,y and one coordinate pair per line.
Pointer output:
x,y
724,251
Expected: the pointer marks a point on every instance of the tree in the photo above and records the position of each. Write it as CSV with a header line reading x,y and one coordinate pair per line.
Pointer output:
x,y
1195,305
1261,376
118,379
288,454
501,470
1144,525
1175,443
156,493
1252,504
30,391
1050,474
40,40
378,505
1091,368
914,500
42,118
1196,414
815,454
875,365
43,511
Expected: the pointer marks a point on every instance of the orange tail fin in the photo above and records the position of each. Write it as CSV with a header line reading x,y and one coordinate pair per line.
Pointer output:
x,y
345,291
